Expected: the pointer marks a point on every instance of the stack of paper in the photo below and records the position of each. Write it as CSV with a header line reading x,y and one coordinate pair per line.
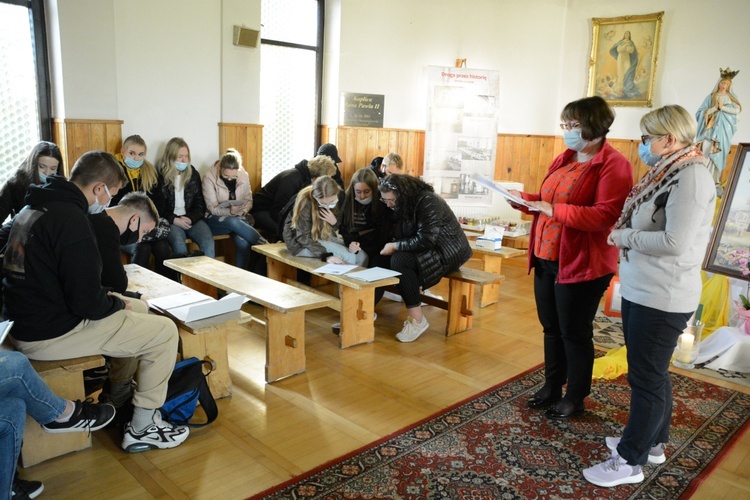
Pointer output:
x,y
192,306
374,274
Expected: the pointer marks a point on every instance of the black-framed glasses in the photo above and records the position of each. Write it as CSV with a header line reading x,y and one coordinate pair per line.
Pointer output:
x,y
569,126
387,200
646,139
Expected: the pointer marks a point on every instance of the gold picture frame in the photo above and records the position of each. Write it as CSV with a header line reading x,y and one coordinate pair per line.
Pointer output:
x,y
624,53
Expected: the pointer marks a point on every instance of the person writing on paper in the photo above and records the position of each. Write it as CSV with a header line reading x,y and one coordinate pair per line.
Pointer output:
x,y
225,187
578,203
365,223
662,236
428,244
309,230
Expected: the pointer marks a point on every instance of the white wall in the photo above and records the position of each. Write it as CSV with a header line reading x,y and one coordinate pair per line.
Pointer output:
x,y
169,68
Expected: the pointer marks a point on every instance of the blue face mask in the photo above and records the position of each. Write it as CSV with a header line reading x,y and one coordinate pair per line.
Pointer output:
x,y
574,140
133,164
42,178
649,158
180,166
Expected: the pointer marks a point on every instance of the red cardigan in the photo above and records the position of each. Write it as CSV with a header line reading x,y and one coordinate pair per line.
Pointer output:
x,y
594,206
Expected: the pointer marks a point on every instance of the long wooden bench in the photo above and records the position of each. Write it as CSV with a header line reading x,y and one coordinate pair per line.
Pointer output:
x,y
65,378
356,304
492,262
284,308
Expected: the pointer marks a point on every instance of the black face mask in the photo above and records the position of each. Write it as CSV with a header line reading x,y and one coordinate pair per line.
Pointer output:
x,y
129,236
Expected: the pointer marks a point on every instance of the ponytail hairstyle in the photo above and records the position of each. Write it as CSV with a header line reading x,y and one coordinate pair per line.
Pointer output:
x,y
323,187
232,160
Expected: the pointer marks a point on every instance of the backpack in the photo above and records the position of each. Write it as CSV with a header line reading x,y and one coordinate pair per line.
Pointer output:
x,y
186,387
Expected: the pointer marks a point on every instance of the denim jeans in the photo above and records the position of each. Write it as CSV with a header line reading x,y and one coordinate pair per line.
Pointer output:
x,y
338,249
243,233
22,391
651,336
566,312
200,233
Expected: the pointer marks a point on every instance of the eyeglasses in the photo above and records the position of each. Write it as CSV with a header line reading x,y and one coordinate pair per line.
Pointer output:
x,y
646,139
569,126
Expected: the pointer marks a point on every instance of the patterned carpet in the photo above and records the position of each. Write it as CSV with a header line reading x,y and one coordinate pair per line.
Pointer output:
x,y
608,334
493,447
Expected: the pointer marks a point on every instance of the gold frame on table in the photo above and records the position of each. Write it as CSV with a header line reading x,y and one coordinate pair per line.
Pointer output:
x,y
731,232
604,80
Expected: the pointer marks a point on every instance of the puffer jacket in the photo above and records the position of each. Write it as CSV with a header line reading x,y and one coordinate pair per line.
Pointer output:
x,y
432,231
215,191
195,205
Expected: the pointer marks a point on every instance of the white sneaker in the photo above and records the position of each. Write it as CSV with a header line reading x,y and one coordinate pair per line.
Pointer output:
x,y
430,294
392,296
159,435
656,454
412,330
613,472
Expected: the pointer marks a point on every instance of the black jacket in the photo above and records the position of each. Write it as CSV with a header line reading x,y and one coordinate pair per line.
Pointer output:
x,y
108,240
278,191
52,266
376,232
195,205
12,195
432,231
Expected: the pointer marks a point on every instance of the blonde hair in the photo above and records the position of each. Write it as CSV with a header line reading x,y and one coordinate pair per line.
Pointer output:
x,y
671,119
393,159
321,165
147,170
232,160
323,187
166,162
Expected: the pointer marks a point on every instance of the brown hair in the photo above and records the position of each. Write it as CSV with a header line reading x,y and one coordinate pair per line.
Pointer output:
x,y
594,115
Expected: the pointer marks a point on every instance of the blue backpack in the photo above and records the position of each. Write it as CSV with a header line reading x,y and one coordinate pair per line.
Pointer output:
x,y
186,387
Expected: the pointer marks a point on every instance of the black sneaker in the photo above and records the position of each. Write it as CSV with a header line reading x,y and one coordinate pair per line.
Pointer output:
x,y
87,416
26,489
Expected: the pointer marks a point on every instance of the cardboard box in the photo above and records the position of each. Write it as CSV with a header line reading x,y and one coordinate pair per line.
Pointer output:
x,y
489,243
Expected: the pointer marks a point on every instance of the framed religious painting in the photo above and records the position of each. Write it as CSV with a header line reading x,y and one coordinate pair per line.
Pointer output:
x,y
729,249
624,52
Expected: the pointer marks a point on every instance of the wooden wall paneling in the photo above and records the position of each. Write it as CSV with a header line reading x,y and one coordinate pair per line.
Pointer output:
x,y
247,138
59,137
77,136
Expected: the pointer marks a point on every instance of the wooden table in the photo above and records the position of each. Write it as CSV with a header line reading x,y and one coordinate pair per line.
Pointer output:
x,y
284,308
492,262
203,339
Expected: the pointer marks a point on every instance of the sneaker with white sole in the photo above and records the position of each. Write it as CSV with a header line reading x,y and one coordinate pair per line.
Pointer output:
x,y
159,435
23,489
412,330
613,472
656,454
392,296
86,416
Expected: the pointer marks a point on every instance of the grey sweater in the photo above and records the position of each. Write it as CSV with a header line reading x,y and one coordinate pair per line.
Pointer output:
x,y
667,242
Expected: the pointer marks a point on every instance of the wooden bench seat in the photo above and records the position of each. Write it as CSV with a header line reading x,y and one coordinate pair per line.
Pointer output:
x,y
284,308
64,378
492,262
356,304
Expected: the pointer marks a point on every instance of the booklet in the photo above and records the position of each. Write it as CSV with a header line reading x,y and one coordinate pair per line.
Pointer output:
x,y
374,274
192,306
503,192
335,268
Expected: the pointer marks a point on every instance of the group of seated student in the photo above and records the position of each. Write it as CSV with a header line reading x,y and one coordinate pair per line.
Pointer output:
x,y
53,292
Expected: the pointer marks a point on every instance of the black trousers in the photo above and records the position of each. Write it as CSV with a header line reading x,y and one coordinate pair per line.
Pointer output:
x,y
566,312
409,282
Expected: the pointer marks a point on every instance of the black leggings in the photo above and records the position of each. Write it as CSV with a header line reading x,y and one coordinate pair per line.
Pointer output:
x,y
409,282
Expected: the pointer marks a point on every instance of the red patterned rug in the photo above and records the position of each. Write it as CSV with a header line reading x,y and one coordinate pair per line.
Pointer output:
x,y
491,447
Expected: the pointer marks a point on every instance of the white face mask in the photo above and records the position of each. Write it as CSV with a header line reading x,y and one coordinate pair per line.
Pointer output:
x,y
366,201
98,207
329,206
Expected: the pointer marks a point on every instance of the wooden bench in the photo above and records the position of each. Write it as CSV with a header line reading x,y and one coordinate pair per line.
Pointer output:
x,y
64,378
492,262
284,308
204,339
356,304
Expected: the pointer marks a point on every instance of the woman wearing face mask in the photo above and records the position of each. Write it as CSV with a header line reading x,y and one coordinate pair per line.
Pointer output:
x,y
226,189
577,205
181,201
365,223
43,160
428,244
142,177
309,230
662,234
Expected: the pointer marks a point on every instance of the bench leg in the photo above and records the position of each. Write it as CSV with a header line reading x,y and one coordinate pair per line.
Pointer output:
x,y
199,286
285,344
490,294
460,301
357,312
278,271
210,346
38,445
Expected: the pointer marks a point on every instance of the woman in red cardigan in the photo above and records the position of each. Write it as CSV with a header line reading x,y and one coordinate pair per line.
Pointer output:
x,y
578,203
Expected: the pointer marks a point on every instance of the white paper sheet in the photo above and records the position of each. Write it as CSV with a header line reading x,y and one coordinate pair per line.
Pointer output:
x,y
229,203
177,300
192,306
503,192
5,327
335,268
373,274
